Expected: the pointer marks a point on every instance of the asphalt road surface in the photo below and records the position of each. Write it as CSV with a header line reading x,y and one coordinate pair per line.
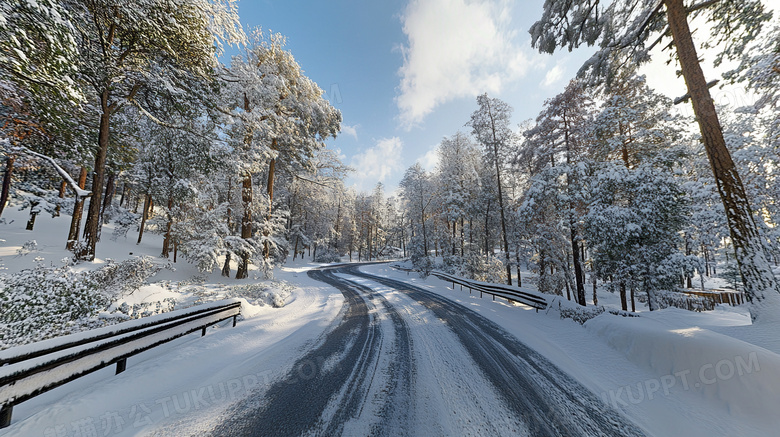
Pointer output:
x,y
399,360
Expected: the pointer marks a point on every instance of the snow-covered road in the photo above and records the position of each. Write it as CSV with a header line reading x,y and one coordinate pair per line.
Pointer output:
x,y
399,360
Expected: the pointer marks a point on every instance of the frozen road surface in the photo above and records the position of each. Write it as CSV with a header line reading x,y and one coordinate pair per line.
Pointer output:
x,y
399,360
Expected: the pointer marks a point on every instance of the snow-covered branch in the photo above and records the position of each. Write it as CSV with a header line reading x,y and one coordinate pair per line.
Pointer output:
x,y
80,192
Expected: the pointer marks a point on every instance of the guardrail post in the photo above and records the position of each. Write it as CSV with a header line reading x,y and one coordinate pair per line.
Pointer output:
x,y
5,415
121,365
203,332
234,320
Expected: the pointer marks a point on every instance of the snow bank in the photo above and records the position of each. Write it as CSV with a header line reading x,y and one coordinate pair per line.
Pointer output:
x,y
740,378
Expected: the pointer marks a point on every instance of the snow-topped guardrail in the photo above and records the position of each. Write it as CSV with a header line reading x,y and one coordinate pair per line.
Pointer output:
x,y
29,370
527,297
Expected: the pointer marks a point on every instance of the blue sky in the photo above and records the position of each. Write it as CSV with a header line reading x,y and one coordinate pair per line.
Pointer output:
x,y
406,73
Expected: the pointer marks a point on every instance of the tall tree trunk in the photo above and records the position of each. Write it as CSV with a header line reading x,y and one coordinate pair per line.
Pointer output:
x,y
144,216
503,219
33,214
462,238
7,175
761,287
168,226
623,302
61,195
92,227
246,225
579,276
226,266
110,188
517,265
78,207
122,197
270,193
487,229
595,295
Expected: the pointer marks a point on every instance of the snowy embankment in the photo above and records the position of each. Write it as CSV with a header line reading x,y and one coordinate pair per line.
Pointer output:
x,y
673,372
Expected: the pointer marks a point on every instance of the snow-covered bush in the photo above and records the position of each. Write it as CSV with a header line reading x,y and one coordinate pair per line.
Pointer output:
x,y
45,302
269,293
666,299
580,314
327,256
475,266
126,276
490,269
28,247
421,262
48,301
146,309
123,220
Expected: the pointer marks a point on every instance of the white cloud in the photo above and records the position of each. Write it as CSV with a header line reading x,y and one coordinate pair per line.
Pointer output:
x,y
553,75
350,130
456,48
377,163
430,160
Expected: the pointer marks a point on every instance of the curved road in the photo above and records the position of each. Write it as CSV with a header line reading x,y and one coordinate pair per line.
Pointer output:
x,y
400,360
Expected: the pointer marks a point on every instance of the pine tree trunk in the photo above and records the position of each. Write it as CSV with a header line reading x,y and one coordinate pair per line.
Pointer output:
x,y
168,226
462,238
144,216
33,215
595,295
78,208
7,175
92,227
125,189
761,287
246,225
579,277
270,192
487,230
623,302
61,195
503,220
110,188
517,266
226,266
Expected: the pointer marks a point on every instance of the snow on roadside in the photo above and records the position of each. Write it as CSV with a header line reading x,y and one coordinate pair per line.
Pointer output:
x,y
183,387
648,367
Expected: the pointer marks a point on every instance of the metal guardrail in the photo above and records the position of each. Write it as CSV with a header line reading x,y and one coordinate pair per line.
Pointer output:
x,y
26,372
537,301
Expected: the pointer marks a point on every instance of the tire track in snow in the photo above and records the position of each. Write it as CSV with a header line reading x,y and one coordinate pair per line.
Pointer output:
x,y
547,400
332,382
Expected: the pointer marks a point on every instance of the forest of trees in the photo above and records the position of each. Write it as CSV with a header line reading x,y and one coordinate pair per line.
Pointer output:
x,y
123,113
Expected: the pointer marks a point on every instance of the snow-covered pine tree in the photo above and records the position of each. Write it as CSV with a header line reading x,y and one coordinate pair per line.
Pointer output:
x,y
633,226
490,125
622,30
561,133
458,177
146,47
280,118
